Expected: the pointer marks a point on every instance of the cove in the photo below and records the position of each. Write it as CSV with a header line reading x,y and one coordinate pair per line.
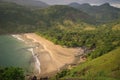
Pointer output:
x,y
13,52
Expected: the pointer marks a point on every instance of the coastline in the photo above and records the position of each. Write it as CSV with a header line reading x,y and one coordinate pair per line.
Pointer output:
x,y
51,58
22,37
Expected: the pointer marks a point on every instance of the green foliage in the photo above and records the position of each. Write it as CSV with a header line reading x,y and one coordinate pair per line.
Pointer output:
x,y
58,13
62,74
98,76
68,27
100,40
16,19
106,67
11,73
103,13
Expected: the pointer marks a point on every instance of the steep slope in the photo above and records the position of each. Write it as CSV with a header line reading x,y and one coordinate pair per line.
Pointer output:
x,y
62,12
15,18
103,13
29,3
106,67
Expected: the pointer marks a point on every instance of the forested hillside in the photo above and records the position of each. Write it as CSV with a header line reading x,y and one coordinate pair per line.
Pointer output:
x,y
59,13
99,40
70,27
103,13
61,24
15,18
29,3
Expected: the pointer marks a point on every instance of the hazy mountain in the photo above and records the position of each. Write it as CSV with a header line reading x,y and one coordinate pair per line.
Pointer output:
x,y
78,6
15,18
68,26
103,13
61,12
20,18
29,3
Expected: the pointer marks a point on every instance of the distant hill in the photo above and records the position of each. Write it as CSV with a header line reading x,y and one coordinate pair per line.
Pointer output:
x,y
69,27
62,12
29,3
17,18
103,13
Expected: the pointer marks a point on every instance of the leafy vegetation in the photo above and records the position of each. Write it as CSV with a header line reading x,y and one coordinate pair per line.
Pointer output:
x,y
99,40
15,18
18,19
29,3
61,24
58,13
69,27
106,67
11,73
103,13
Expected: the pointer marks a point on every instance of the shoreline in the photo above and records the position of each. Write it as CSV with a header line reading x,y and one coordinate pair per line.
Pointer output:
x,y
52,58
22,38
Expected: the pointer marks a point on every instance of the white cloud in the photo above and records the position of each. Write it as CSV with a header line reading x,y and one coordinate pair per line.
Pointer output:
x,y
82,1
116,5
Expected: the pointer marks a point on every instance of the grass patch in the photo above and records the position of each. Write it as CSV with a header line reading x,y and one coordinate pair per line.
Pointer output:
x,y
106,67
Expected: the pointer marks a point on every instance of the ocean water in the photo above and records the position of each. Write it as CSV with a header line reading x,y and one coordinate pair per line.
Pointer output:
x,y
13,52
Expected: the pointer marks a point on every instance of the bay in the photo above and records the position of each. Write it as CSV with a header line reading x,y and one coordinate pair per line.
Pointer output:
x,y
13,52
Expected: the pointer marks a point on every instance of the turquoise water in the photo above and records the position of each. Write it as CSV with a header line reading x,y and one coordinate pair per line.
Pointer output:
x,y
14,53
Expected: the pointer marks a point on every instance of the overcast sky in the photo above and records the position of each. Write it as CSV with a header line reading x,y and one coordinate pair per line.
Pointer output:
x,y
96,2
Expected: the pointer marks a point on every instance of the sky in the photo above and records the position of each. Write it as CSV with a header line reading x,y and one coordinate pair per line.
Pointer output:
x,y
93,2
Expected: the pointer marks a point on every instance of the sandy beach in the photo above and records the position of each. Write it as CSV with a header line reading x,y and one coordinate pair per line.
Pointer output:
x,y
52,57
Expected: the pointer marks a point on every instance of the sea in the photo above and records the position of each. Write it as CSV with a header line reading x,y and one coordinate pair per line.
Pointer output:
x,y
14,53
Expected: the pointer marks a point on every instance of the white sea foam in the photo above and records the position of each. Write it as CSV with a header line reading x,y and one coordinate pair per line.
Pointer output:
x,y
37,63
17,37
